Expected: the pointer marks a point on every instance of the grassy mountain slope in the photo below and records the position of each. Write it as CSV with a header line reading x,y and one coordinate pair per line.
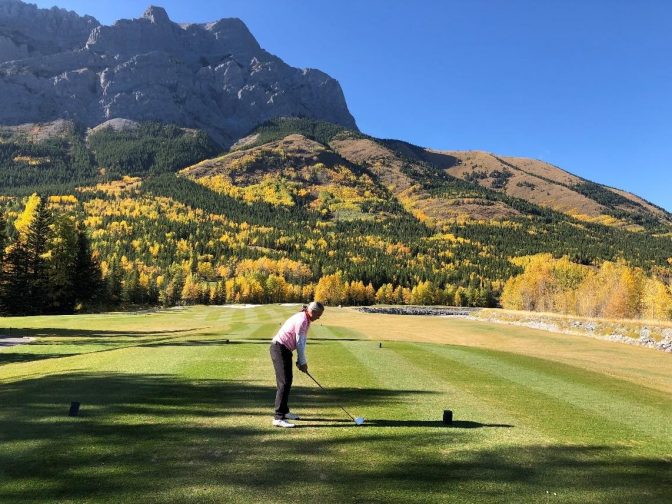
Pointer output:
x,y
547,185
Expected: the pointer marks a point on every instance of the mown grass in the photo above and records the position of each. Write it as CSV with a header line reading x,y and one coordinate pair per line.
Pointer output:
x,y
176,407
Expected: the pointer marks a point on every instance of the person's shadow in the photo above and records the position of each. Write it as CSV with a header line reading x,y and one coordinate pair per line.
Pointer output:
x,y
455,424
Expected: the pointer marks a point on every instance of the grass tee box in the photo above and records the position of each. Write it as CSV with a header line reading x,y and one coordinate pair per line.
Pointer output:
x,y
171,412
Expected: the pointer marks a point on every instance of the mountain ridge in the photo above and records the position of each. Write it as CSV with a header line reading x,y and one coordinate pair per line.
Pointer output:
x,y
398,164
211,76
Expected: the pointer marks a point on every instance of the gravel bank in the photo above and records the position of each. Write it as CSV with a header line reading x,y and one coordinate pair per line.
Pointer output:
x,y
445,311
590,328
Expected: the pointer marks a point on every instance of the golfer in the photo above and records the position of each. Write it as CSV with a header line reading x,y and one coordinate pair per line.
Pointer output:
x,y
291,336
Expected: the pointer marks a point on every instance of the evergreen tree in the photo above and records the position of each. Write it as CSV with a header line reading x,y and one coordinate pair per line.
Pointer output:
x,y
172,293
88,278
37,240
25,276
62,266
15,279
131,290
113,284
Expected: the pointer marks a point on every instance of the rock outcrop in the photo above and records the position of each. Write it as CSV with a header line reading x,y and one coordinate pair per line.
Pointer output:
x,y
28,31
212,76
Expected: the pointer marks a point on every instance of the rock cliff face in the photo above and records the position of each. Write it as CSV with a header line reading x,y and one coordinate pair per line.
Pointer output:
x,y
27,31
211,76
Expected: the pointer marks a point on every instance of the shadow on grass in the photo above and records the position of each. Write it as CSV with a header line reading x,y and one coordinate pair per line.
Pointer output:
x,y
456,424
155,437
308,421
340,339
230,341
16,357
206,342
84,333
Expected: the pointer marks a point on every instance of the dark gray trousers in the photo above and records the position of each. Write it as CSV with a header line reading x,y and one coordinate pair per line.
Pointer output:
x,y
282,362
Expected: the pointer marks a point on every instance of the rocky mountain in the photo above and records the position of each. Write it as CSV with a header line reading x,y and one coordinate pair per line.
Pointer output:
x,y
26,31
61,70
214,76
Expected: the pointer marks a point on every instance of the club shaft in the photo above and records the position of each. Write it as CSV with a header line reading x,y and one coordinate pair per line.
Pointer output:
x,y
318,384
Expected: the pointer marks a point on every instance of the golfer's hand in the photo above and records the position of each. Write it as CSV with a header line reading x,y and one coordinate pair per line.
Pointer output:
x,y
303,367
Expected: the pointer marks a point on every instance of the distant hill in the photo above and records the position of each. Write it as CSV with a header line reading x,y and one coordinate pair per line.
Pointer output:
x,y
445,186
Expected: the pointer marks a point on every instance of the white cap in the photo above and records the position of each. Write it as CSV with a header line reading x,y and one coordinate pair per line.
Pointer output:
x,y
315,307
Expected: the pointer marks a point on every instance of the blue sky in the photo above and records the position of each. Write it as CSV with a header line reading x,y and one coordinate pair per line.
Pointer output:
x,y
583,84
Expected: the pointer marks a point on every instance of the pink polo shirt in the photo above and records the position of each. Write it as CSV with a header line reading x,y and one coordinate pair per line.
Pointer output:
x,y
293,335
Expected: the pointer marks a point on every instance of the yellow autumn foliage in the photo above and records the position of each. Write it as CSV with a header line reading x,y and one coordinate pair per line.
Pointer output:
x,y
26,218
612,290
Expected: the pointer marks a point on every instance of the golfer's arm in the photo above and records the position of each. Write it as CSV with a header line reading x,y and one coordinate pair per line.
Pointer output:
x,y
301,349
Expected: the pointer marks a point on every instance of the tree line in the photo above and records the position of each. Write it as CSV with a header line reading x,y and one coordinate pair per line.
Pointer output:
x,y
46,262
610,290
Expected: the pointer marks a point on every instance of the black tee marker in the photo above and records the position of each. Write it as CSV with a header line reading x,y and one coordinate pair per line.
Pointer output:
x,y
74,408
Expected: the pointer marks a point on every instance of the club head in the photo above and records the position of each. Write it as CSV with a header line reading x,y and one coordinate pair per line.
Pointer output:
x,y
359,420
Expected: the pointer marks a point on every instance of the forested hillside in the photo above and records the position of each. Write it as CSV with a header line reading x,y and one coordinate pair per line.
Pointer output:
x,y
301,209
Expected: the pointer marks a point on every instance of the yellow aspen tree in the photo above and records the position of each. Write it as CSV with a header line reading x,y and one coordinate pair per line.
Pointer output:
x,y
460,296
511,298
423,293
356,293
145,280
587,296
26,218
656,300
275,289
398,295
232,291
251,290
330,289
308,292
569,277
449,294
213,294
190,291
369,294
206,270
383,294
388,295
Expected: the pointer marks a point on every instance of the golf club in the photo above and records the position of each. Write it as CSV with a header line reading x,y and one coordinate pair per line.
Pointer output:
x,y
358,421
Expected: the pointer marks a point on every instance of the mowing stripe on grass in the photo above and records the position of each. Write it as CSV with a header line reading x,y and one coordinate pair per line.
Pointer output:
x,y
395,371
333,332
263,331
537,399
602,396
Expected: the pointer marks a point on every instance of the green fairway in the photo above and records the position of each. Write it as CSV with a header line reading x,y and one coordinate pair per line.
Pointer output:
x,y
177,407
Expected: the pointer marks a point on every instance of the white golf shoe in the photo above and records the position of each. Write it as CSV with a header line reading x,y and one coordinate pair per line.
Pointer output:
x,y
282,423
291,416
